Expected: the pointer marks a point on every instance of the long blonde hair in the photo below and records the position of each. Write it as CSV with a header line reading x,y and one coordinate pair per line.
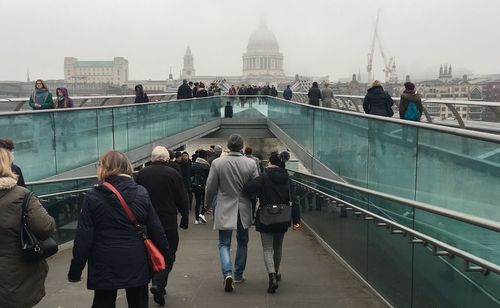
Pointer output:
x,y
6,164
113,163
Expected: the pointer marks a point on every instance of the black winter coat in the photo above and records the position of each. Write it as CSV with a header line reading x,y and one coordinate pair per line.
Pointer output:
x,y
110,243
200,171
378,102
314,95
141,98
261,187
184,91
20,179
186,173
167,192
201,93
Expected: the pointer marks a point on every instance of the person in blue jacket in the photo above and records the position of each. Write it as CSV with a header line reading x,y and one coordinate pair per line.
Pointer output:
x,y
287,94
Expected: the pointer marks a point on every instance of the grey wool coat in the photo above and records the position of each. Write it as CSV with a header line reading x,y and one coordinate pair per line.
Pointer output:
x,y
227,176
21,282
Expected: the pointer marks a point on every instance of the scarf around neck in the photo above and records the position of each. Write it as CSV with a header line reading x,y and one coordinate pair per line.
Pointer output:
x,y
41,95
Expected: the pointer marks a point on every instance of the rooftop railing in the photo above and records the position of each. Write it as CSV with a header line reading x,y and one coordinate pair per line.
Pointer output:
x,y
409,253
473,111
17,104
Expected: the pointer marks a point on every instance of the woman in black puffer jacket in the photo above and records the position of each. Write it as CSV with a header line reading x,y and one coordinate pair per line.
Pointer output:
x,y
110,243
377,101
272,187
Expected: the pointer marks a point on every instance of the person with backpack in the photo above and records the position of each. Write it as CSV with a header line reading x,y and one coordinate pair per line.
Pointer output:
x,y
200,168
410,105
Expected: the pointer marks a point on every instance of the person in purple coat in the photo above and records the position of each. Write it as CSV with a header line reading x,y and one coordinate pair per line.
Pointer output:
x,y
63,99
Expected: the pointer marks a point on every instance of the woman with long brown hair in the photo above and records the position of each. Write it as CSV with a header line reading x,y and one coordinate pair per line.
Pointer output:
x,y
41,98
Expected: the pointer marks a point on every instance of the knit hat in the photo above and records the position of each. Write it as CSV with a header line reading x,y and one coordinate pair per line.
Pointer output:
x,y
235,143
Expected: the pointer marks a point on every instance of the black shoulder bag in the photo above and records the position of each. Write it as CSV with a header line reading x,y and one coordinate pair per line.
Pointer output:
x,y
271,214
34,249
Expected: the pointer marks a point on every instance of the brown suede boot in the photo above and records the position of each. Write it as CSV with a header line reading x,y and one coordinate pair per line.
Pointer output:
x,y
273,284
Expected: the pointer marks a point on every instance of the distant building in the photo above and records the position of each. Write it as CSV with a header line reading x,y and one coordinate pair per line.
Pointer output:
x,y
262,65
263,58
112,72
491,91
188,71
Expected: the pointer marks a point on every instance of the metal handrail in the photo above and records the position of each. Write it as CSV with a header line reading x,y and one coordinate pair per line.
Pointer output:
x,y
349,101
83,99
439,248
42,182
10,113
63,193
446,129
470,219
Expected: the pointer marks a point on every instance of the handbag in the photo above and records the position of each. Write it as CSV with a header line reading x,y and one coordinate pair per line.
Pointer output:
x,y
272,214
155,257
34,249
388,108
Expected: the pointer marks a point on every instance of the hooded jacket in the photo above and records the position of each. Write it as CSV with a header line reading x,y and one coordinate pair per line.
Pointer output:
x,y
67,102
21,282
403,103
110,243
140,95
378,102
272,187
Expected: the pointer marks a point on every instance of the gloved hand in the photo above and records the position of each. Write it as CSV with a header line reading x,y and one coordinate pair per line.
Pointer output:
x,y
184,222
73,277
74,274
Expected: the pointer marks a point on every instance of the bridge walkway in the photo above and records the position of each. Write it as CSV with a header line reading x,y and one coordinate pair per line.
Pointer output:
x,y
311,277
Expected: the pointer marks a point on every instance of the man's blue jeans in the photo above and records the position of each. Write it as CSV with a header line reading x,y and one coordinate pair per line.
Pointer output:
x,y
241,251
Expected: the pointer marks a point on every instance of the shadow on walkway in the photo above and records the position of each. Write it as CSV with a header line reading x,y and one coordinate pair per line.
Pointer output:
x,y
311,277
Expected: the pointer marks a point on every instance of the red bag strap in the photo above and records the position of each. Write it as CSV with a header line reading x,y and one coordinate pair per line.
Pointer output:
x,y
130,215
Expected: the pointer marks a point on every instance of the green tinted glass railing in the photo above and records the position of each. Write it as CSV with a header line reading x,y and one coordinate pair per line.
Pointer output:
x,y
52,142
62,200
453,169
42,188
246,107
407,275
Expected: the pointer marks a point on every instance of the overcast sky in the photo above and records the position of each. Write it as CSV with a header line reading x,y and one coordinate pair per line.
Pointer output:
x,y
316,37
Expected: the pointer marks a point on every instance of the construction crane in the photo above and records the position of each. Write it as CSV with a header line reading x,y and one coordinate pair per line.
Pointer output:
x,y
389,64
369,67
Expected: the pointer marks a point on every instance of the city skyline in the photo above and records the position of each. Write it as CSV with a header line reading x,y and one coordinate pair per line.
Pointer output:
x,y
323,38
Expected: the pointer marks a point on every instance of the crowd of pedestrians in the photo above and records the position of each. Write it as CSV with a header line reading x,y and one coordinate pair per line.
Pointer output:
x,y
42,98
122,212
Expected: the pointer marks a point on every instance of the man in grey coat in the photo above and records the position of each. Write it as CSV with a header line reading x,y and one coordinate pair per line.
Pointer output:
x,y
233,209
326,96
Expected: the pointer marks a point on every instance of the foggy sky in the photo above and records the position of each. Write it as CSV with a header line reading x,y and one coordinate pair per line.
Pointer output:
x,y
317,37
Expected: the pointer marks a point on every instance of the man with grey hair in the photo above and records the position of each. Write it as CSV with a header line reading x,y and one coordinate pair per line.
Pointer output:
x,y
326,96
168,196
233,209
